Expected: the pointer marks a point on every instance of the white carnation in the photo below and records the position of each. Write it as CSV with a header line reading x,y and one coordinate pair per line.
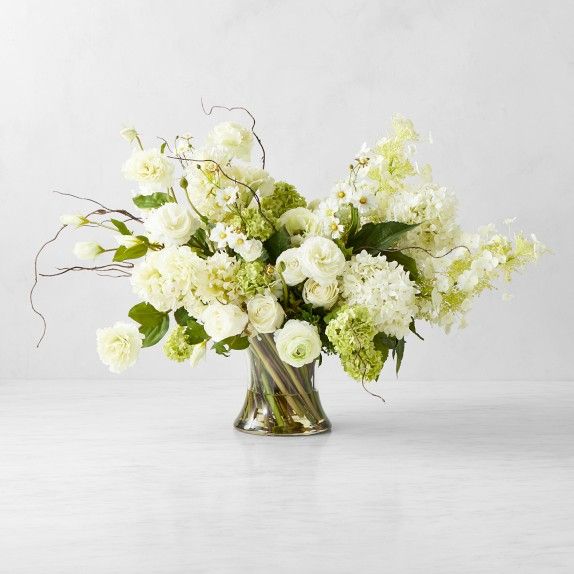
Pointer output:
x,y
265,313
171,224
292,274
234,138
385,288
298,343
321,259
119,346
150,168
222,321
320,295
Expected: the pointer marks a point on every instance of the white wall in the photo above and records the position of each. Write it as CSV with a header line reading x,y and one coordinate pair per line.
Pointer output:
x,y
492,80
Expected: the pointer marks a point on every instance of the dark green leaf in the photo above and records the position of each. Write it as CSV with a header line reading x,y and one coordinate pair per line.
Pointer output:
x,y
376,237
383,341
277,243
151,201
194,331
153,323
122,253
121,227
181,317
355,222
400,351
413,329
407,262
237,343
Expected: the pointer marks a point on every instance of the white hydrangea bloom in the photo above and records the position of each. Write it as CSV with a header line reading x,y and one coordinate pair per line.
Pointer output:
x,y
385,288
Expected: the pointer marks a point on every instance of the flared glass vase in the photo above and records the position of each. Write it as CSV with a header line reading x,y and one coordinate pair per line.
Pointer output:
x,y
281,399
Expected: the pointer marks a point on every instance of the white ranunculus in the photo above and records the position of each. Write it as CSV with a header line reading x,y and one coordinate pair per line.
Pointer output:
x,y
299,221
249,249
171,224
87,249
321,259
233,137
129,134
119,346
320,295
222,321
150,168
127,240
73,219
298,343
265,313
292,274
197,353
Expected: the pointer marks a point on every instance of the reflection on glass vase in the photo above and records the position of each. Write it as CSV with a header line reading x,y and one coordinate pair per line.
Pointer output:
x,y
281,399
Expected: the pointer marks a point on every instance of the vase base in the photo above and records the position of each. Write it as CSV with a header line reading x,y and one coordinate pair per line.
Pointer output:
x,y
265,432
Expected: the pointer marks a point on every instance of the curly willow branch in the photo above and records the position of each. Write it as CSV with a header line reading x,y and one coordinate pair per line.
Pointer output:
x,y
428,252
208,113
131,216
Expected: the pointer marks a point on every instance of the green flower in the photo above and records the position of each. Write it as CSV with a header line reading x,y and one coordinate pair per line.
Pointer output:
x,y
283,198
176,348
253,278
252,222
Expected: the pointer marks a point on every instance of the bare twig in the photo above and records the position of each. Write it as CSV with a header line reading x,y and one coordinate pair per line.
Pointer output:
x,y
109,267
104,210
208,113
370,392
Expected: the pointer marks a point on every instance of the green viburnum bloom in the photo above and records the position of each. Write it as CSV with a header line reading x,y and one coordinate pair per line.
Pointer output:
x,y
252,278
351,332
283,198
176,348
253,222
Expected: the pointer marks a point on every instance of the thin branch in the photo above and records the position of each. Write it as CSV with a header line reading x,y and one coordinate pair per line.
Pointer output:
x,y
428,252
104,210
208,113
109,267
34,285
370,392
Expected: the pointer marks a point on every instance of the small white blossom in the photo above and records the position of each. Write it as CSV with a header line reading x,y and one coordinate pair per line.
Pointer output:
x,y
87,250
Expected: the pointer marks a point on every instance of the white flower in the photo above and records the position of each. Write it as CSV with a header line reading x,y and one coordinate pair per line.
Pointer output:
x,y
171,224
168,278
320,295
129,134
222,235
226,196
384,287
222,321
119,346
298,343
321,259
197,353
342,192
249,249
233,137
331,227
73,219
151,168
265,313
217,282
292,274
299,221
363,198
87,249
127,240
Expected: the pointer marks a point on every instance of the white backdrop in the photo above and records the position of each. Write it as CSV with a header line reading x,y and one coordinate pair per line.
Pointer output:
x,y
493,81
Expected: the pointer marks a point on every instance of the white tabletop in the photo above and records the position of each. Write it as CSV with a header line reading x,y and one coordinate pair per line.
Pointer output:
x,y
150,477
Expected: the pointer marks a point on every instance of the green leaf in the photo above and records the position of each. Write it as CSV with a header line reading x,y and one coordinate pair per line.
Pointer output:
x,y
152,201
181,317
236,343
407,262
277,243
355,222
376,237
121,227
183,183
413,329
162,147
153,323
122,253
400,351
383,341
194,331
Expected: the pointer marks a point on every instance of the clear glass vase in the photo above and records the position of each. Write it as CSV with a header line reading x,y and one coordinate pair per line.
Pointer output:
x,y
281,399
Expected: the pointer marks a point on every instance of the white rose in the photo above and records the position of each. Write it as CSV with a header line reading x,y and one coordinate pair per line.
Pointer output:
x,y
129,134
298,343
233,137
320,295
249,249
321,259
265,313
151,168
119,346
292,274
299,220
197,353
74,219
222,321
87,249
171,224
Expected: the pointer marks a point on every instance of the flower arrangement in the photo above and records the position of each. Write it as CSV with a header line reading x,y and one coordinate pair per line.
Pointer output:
x,y
220,254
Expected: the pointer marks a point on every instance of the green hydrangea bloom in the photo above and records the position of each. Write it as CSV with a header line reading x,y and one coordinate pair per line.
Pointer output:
x,y
176,348
283,198
252,278
252,222
351,333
